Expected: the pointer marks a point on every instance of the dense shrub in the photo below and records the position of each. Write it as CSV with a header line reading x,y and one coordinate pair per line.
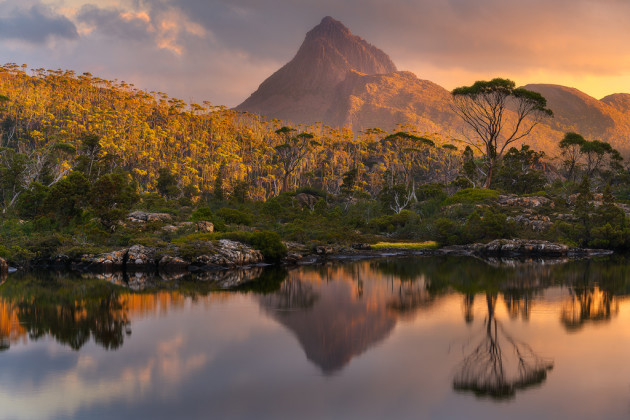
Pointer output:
x,y
472,196
390,223
448,232
488,225
202,214
234,216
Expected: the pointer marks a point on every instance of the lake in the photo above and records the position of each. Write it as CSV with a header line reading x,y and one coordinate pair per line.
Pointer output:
x,y
399,338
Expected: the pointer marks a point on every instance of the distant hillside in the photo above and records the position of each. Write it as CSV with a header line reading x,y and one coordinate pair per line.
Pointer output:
x,y
341,80
619,101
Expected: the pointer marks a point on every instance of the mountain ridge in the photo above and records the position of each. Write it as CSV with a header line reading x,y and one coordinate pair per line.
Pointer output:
x,y
343,81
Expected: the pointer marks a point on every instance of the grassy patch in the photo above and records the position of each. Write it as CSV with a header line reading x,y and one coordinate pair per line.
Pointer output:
x,y
406,245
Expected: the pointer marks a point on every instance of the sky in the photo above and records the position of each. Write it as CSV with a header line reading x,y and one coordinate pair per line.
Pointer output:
x,y
221,50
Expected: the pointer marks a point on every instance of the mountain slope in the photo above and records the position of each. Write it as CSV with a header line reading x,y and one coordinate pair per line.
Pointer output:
x,y
302,90
594,119
619,101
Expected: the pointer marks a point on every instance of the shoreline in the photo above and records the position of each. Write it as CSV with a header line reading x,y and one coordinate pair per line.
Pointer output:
x,y
233,255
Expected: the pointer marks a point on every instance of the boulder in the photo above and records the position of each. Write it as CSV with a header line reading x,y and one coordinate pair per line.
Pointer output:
x,y
141,257
203,226
323,250
143,217
520,247
362,247
537,223
171,263
229,253
525,202
106,261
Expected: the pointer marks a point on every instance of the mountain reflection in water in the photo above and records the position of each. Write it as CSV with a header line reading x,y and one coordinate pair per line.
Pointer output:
x,y
341,315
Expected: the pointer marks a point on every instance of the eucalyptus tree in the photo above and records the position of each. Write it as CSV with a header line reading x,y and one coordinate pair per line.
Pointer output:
x,y
292,151
499,114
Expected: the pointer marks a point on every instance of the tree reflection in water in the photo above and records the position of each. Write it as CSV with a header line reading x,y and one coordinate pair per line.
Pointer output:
x,y
491,370
588,304
68,309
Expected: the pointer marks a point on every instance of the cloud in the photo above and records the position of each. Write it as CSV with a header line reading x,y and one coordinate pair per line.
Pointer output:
x,y
485,35
166,27
114,22
221,50
36,24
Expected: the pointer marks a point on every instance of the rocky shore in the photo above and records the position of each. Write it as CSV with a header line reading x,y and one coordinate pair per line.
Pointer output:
x,y
202,256
224,254
500,248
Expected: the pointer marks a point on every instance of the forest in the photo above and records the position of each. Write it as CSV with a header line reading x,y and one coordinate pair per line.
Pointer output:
x,y
79,153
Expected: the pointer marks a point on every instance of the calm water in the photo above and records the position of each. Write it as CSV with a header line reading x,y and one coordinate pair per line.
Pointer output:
x,y
421,338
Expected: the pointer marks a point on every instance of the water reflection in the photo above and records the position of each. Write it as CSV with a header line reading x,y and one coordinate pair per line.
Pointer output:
x,y
492,370
60,307
401,314
333,314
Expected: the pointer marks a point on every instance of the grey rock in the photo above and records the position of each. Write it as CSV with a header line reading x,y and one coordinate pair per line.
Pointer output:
x,y
143,217
516,247
204,226
525,202
139,256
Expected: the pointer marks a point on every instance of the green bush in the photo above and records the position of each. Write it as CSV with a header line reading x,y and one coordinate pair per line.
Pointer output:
x,y
448,232
472,196
270,244
16,254
430,191
206,215
202,214
391,223
234,216
487,226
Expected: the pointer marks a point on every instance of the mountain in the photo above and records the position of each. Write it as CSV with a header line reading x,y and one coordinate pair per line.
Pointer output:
x,y
619,101
341,80
605,119
303,89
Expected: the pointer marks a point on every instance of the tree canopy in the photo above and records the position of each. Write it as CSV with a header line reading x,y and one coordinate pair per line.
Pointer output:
x,y
498,114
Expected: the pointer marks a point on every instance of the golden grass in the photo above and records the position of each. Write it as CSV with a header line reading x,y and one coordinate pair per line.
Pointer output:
x,y
405,245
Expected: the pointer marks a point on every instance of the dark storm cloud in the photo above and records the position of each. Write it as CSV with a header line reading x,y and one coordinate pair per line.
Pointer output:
x,y
35,25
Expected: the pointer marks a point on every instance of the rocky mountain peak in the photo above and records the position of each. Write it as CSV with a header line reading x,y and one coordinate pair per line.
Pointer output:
x,y
328,54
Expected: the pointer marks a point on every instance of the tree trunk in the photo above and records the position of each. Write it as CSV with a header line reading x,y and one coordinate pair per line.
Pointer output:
x,y
489,175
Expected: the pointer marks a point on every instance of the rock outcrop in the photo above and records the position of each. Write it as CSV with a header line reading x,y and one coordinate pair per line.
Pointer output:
x,y
520,247
141,257
537,223
143,217
229,254
211,255
204,226
108,261
524,202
